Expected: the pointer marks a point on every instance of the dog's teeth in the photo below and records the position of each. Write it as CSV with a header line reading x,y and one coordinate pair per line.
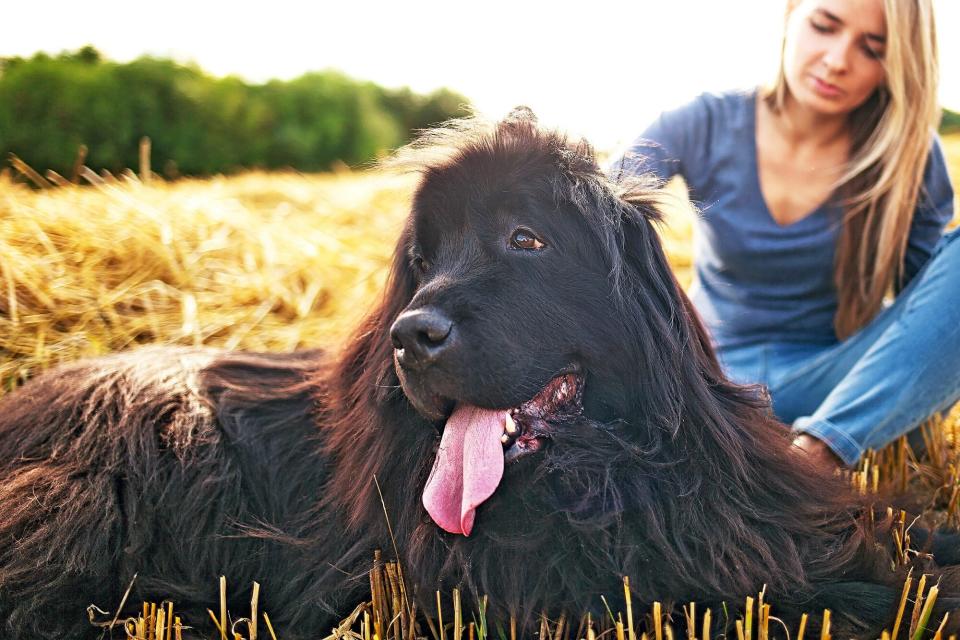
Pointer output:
x,y
505,439
510,427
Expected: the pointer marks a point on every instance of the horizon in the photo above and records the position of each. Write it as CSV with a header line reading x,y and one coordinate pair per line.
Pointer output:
x,y
600,73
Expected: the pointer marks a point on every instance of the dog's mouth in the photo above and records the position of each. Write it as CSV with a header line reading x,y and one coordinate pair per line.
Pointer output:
x,y
477,443
528,426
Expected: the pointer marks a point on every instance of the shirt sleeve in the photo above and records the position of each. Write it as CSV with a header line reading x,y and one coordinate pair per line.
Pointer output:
x,y
934,211
673,144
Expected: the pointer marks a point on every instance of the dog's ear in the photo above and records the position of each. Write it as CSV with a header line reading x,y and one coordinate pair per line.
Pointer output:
x,y
521,113
642,250
402,281
648,269
370,351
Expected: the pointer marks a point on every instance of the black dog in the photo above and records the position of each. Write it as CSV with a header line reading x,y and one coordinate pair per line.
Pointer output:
x,y
535,397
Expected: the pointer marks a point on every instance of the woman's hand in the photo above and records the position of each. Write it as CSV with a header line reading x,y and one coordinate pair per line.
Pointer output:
x,y
817,450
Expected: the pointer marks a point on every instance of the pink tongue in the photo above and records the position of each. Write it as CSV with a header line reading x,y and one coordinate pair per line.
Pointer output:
x,y
468,467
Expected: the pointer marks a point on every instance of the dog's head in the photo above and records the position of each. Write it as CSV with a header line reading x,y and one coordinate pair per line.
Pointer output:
x,y
528,272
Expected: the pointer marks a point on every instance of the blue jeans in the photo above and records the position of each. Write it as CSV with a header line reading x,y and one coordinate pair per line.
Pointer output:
x,y
879,383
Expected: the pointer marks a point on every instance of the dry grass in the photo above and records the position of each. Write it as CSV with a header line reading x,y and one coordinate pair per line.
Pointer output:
x,y
286,261
261,262
390,615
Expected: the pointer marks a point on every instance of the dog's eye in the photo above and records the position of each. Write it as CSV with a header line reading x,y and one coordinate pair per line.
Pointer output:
x,y
420,265
524,239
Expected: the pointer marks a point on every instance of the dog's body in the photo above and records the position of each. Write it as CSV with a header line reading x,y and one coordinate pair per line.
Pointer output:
x,y
587,433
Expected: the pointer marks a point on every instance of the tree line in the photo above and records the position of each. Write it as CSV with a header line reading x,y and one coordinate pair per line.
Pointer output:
x,y
199,124
950,122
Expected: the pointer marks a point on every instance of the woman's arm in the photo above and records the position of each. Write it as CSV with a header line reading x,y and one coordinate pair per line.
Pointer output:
x,y
671,145
934,211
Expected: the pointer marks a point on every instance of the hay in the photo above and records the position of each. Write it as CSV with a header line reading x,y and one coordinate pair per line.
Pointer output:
x,y
380,619
256,262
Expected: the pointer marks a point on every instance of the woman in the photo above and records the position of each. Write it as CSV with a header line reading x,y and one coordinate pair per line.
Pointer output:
x,y
819,196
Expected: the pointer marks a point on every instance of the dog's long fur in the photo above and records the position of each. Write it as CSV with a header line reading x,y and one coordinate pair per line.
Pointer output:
x,y
181,465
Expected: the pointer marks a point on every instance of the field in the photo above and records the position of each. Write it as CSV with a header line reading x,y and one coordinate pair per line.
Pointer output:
x,y
257,261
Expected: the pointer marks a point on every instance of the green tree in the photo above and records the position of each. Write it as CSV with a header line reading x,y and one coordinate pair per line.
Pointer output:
x,y
49,106
950,122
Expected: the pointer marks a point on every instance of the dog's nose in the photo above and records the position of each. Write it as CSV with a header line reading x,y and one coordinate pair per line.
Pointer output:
x,y
421,336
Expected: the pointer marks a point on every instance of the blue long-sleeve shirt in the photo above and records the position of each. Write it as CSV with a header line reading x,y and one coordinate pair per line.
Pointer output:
x,y
755,280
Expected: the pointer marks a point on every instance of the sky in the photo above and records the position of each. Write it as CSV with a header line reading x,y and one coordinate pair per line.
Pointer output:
x,y
596,68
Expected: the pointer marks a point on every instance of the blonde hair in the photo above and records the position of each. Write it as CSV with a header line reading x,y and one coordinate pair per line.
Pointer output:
x,y
892,133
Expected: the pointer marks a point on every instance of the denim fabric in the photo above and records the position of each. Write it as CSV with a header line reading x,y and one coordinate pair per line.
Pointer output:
x,y
878,384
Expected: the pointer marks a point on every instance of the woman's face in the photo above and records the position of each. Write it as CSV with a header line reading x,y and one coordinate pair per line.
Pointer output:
x,y
833,54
